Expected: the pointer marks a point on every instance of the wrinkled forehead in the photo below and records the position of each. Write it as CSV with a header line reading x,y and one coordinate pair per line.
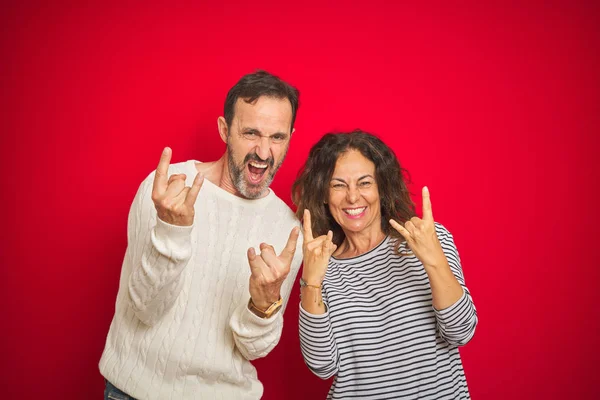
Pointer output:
x,y
266,114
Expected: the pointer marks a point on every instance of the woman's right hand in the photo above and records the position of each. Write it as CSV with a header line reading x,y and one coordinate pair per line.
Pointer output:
x,y
316,253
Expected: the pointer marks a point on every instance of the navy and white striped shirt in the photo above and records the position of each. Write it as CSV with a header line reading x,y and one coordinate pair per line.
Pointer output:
x,y
381,336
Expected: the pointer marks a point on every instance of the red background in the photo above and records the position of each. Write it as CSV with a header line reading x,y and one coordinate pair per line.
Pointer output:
x,y
494,107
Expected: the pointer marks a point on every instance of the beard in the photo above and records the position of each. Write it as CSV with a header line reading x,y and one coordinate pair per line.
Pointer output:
x,y
237,173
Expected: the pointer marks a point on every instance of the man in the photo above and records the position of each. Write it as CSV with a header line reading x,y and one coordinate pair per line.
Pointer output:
x,y
196,301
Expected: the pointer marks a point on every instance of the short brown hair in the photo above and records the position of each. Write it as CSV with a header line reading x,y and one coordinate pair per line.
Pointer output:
x,y
260,83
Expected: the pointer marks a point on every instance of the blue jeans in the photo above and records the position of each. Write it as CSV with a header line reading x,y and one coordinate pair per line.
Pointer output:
x,y
112,393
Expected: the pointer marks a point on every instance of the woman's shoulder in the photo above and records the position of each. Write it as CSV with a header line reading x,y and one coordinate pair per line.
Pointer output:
x,y
444,235
441,229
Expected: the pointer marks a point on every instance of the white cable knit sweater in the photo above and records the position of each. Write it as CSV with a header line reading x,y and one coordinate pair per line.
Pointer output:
x,y
182,329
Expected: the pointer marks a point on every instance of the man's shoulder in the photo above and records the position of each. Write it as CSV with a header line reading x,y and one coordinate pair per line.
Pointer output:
x,y
184,167
279,206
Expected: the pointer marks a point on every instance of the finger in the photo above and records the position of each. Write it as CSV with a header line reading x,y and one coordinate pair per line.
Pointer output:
x,y
266,247
306,224
255,261
267,253
160,178
410,227
316,243
287,254
175,188
180,198
251,254
326,240
174,177
328,244
333,249
427,212
406,234
192,195
416,221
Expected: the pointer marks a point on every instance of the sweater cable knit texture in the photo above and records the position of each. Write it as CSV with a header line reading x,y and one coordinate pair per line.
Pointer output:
x,y
182,329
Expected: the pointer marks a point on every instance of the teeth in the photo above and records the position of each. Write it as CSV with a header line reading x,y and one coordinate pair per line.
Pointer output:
x,y
255,165
354,211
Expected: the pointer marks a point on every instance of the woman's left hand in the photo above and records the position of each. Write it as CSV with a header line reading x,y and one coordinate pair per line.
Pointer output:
x,y
421,236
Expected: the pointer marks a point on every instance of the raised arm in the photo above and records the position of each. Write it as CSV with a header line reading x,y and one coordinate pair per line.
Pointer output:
x,y
271,279
433,245
317,342
159,240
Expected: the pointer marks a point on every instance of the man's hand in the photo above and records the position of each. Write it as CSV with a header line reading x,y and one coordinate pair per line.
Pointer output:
x,y
268,271
173,200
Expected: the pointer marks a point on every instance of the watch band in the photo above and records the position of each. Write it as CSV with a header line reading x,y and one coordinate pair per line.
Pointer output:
x,y
269,312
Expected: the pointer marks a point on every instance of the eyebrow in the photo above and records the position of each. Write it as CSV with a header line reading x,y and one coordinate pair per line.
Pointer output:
x,y
254,130
359,179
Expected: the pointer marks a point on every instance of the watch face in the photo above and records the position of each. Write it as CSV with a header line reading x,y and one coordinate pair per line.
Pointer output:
x,y
273,308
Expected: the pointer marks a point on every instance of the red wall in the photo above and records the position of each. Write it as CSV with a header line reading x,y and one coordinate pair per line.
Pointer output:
x,y
495,108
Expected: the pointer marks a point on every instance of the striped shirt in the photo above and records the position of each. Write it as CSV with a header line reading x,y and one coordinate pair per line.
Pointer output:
x,y
381,336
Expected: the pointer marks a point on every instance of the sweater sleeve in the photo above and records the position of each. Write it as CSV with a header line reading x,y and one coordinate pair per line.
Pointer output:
x,y
456,323
317,343
255,337
157,253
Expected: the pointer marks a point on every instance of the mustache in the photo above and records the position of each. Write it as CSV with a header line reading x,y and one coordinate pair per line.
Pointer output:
x,y
255,157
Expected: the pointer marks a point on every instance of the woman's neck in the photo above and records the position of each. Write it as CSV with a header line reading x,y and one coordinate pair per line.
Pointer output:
x,y
357,243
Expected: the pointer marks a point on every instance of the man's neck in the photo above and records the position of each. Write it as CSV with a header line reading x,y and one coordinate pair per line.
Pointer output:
x,y
217,172
213,170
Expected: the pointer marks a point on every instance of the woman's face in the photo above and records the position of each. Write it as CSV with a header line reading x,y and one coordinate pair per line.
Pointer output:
x,y
354,196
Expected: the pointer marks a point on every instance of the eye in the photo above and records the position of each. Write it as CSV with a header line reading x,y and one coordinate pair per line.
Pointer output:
x,y
250,135
338,185
278,138
365,184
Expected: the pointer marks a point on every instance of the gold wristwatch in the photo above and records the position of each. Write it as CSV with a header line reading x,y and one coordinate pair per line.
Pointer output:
x,y
269,312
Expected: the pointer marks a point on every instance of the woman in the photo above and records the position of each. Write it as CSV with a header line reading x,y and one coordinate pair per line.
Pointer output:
x,y
384,305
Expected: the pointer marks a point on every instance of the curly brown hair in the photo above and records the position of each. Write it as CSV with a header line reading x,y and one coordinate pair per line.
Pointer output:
x,y
311,188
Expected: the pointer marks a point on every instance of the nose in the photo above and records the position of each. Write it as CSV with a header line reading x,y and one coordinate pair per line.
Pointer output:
x,y
353,194
263,148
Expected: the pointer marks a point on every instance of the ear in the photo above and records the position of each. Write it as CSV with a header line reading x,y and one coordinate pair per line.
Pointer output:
x,y
223,129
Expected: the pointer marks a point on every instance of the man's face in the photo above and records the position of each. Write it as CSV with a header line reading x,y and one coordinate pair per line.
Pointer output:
x,y
257,142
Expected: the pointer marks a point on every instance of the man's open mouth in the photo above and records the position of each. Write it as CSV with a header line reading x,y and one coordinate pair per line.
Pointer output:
x,y
256,171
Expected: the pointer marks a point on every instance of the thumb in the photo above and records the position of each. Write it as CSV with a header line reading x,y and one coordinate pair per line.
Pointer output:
x,y
406,234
